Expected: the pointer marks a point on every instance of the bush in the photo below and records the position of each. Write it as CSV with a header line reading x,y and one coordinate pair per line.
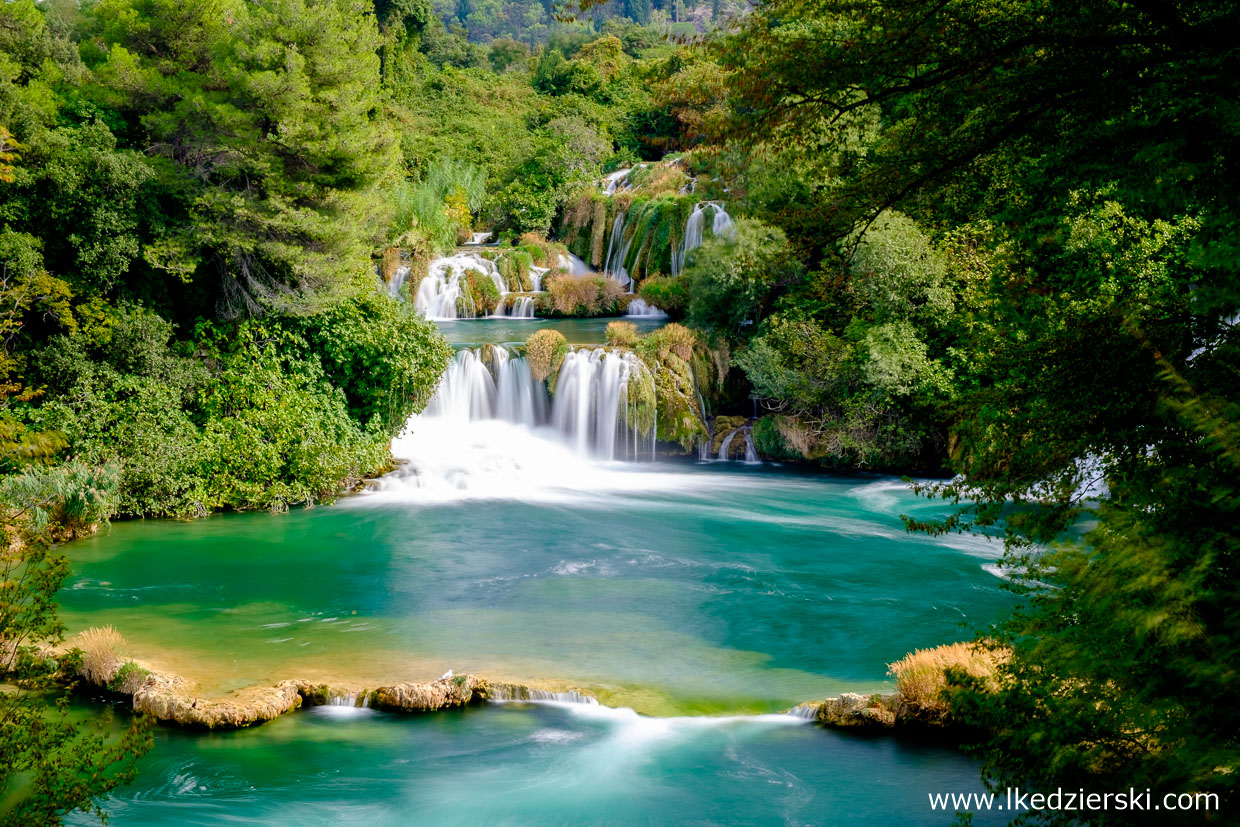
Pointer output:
x,y
486,294
621,334
545,351
731,277
669,294
384,356
921,677
587,295
100,647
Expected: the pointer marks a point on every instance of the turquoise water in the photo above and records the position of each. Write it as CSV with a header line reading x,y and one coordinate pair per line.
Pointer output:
x,y
696,601
524,764
669,588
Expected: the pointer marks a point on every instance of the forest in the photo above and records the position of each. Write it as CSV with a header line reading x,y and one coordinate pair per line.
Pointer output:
x,y
992,244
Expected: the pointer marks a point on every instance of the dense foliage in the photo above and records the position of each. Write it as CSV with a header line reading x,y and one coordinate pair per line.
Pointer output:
x,y
1056,296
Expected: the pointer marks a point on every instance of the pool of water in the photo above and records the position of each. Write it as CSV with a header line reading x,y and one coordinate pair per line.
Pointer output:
x,y
516,331
670,588
536,764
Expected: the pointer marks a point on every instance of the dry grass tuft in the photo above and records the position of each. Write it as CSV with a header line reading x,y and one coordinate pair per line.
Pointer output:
x,y
921,676
621,334
101,653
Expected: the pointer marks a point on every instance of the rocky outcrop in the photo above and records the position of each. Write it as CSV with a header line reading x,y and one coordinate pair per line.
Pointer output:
x,y
169,700
852,710
427,697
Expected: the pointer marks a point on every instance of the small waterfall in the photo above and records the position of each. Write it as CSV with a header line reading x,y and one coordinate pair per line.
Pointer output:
x,y
591,406
397,285
751,452
472,390
639,308
808,711
522,308
574,265
440,292
477,239
510,692
695,228
536,277
617,252
615,182
725,445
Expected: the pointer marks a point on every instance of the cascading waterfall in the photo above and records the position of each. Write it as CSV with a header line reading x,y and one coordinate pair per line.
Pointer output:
x,y
536,277
617,251
695,228
615,181
522,308
593,410
440,293
478,239
640,308
397,285
592,406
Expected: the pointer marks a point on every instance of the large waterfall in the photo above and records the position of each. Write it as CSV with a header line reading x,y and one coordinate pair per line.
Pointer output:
x,y
592,411
492,431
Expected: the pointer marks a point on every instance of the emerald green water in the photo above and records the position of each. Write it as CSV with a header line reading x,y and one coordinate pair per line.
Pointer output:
x,y
670,589
694,600
537,765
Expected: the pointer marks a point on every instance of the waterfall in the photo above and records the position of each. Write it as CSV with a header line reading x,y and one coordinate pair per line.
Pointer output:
x,y
477,239
439,293
397,284
472,390
592,411
725,445
617,251
808,711
490,431
536,277
695,227
522,308
639,307
616,181
591,406
509,692
575,265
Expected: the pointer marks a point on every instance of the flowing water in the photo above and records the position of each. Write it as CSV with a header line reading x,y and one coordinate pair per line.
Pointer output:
x,y
537,764
516,331
694,600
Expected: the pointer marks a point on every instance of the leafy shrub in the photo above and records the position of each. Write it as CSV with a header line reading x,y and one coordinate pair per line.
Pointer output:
x,y
545,351
486,294
730,276
71,499
384,356
668,293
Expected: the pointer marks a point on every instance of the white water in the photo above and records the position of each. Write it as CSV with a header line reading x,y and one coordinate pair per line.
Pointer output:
x,y
397,284
522,308
639,307
695,228
491,431
438,293
617,251
751,453
478,239
615,182
536,277
574,265
592,405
